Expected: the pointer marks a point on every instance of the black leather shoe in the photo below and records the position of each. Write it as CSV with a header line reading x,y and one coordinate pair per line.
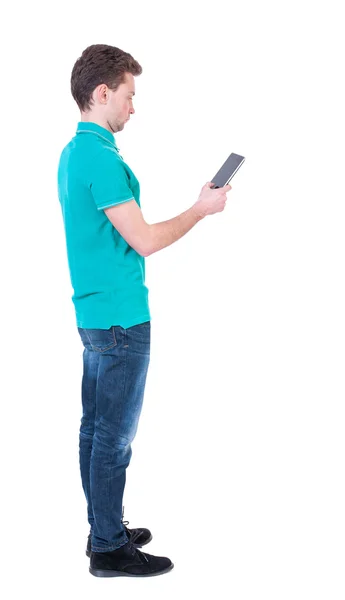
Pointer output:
x,y
138,537
128,561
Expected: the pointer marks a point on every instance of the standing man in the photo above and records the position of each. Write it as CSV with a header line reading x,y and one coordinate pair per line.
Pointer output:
x,y
107,240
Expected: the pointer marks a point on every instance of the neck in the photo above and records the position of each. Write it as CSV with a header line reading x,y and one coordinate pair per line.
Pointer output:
x,y
93,118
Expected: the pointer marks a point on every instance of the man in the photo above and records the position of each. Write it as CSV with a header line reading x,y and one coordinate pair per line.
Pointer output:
x,y
107,241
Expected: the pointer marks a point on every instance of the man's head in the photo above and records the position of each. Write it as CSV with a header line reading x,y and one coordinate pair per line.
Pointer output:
x,y
102,84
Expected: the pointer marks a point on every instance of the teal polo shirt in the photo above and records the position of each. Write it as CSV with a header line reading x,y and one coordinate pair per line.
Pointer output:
x,y
107,275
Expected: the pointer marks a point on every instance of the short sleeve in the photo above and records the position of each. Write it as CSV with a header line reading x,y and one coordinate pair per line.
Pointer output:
x,y
109,182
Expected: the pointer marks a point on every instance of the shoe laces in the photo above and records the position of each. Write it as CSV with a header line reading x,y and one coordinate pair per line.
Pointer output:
x,y
135,552
122,521
134,534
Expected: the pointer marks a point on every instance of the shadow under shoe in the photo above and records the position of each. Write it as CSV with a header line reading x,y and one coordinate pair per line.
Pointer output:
x,y
128,561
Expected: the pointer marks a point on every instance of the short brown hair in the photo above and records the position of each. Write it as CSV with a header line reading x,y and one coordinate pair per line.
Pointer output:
x,y
98,64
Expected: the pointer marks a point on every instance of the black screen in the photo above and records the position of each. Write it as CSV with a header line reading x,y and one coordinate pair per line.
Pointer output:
x,y
228,170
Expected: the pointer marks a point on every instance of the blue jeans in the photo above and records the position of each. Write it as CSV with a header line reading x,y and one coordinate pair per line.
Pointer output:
x,y
115,365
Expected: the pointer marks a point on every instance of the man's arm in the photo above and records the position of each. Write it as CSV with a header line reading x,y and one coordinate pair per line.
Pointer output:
x,y
128,220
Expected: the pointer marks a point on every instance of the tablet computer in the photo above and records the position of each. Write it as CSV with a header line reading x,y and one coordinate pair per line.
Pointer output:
x,y
228,170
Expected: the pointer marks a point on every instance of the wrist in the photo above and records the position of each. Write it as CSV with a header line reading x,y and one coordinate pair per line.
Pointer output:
x,y
198,215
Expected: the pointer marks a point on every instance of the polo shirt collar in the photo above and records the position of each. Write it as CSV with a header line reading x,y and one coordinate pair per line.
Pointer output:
x,y
98,129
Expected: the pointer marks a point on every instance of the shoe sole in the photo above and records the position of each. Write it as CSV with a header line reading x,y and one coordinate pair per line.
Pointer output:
x,y
88,554
109,573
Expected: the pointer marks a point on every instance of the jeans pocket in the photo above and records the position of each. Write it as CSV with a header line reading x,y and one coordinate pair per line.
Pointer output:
x,y
99,340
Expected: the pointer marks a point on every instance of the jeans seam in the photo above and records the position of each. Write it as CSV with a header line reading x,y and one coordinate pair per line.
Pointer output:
x,y
117,425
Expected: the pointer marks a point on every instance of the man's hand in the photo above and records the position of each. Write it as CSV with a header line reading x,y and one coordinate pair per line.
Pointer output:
x,y
211,201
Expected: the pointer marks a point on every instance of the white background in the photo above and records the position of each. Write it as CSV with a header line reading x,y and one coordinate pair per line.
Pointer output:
x,y
238,463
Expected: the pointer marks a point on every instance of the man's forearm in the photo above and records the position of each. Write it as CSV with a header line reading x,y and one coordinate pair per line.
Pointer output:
x,y
167,232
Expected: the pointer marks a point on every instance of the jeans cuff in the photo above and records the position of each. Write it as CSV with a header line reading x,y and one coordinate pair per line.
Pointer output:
x,y
123,541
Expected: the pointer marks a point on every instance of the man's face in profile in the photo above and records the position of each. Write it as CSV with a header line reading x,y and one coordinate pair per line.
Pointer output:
x,y
120,104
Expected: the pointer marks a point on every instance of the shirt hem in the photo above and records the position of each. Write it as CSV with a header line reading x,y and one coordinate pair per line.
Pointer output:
x,y
115,203
125,324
